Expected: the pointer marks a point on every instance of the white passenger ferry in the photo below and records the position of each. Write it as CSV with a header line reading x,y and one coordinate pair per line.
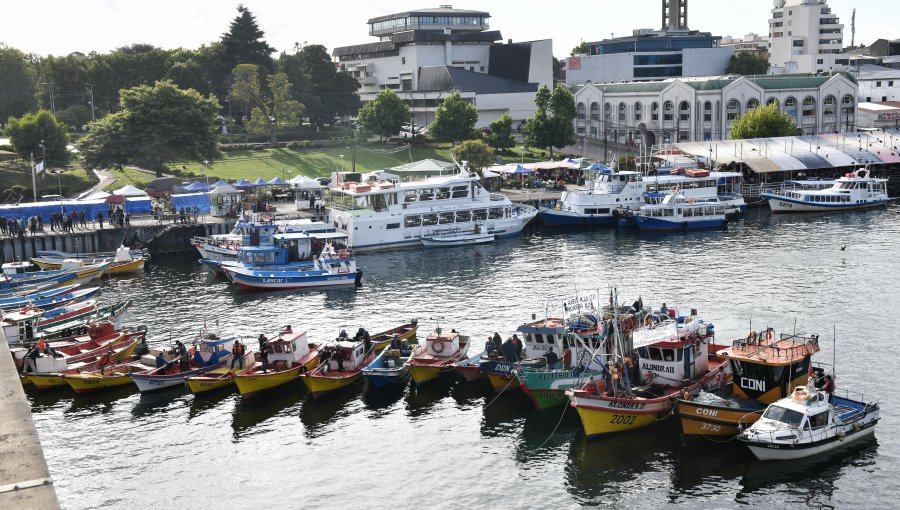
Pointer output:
x,y
381,214
855,190
608,190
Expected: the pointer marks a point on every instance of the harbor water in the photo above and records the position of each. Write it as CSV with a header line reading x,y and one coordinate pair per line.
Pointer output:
x,y
454,445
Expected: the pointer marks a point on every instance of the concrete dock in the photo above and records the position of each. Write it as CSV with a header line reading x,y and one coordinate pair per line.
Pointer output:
x,y
25,481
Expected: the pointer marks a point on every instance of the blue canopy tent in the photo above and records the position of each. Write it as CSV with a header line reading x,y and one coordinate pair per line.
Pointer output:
x,y
259,182
197,186
278,181
189,200
243,183
599,167
519,170
220,182
136,205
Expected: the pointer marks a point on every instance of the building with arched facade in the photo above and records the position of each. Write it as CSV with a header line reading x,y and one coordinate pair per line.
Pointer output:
x,y
702,109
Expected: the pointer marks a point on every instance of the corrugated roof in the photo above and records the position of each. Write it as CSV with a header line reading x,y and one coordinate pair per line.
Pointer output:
x,y
364,48
454,78
637,86
789,81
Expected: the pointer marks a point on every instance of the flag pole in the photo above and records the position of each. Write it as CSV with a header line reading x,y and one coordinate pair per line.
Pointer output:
x,y
33,178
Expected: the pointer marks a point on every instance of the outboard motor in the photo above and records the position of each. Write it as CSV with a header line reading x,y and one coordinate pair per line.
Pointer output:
x,y
358,280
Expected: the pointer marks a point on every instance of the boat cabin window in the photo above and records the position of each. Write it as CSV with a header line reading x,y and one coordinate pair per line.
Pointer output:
x,y
550,339
265,257
592,210
443,193
495,213
655,353
429,219
818,421
460,191
410,196
539,338
668,355
426,194
412,221
445,217
463,216
479,215
784,415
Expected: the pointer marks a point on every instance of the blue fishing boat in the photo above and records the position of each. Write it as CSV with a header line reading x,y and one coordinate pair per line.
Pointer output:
x,y
389,367
678,213
11,284
18,301
49,302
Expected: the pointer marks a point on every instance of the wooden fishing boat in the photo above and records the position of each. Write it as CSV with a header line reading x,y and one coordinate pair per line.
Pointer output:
x,y
91,381
114,313
219,378
675,362
500,373
404,332
20,271
468,368
52,302
329,375
442,351
389,368
19,301
51,369
765,369
289,355
123,261
209,353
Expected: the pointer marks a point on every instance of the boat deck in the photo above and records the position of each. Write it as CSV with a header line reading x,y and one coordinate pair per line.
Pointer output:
x,y
782,351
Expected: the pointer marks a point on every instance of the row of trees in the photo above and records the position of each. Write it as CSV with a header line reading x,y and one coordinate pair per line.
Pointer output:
x,y
82,82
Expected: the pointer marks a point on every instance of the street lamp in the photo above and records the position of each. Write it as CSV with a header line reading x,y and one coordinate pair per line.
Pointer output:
x,y
91,102
342,162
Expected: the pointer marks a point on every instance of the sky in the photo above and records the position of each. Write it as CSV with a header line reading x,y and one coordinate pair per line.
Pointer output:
x,y
60,27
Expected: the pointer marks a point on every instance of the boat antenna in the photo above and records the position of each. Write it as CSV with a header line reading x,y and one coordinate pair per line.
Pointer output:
x,y
834,352
795,326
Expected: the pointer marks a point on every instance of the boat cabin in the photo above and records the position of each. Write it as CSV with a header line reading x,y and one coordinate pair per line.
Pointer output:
x,y
610,181
676,208
766,367
442,344
19,326
287,248
22,267
353,355
668,355
211,349
542,334
287,349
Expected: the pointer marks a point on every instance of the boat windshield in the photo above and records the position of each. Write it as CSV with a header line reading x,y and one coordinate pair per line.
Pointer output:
x,y
784,415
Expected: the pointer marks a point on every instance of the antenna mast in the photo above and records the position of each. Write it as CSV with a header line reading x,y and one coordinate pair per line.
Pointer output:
x,y
853,29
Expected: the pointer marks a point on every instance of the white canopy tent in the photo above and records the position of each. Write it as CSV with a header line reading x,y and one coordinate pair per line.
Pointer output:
x,y
306,190
130,191
223,198
97,194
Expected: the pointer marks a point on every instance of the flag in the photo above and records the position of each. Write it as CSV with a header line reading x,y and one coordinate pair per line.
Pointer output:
x,y
39,167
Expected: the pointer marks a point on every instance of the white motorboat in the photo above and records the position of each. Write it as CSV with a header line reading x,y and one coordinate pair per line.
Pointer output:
x,y
252,232
806,424
457,238
378,215
855,190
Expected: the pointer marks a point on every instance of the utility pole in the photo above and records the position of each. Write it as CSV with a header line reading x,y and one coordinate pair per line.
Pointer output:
x,y
52,99
353,156
33,177
93,115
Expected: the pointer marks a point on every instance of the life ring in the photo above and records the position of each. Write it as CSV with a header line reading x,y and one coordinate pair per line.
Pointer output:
x,y
435,345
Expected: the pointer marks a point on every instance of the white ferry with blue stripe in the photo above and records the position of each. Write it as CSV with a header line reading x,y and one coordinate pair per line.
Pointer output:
x,y
378,215
855,190
679,213
608,190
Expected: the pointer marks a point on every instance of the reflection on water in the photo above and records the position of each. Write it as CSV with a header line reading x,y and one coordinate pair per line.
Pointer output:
x,y
786,271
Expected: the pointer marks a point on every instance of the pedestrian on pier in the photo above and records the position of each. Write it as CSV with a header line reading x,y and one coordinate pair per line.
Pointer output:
x,y
40,221
127,219
100,218
82,217
3,225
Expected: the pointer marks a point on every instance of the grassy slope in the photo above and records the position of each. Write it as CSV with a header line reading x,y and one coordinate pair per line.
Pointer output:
x,y
269,163
13,174
127,176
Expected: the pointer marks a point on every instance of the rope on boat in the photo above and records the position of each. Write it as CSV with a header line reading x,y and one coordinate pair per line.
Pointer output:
x,y
513,378
565,407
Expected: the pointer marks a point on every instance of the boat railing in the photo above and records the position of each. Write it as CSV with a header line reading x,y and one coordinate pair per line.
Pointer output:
x,y
755,190
856,395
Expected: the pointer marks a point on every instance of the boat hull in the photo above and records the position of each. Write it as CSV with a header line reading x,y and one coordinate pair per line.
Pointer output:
x,y
469,373
657,225
547,388
255,283
216,380
604,421
707,420
320,385
250,386
83,384
501,382
148,383
45,382
780,204
554,218
134,266
422,374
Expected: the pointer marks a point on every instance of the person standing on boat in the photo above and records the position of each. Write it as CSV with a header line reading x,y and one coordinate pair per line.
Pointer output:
x,y
237,353
509,350
29,359
827,385
263,352
184,360
395,343
367,344
551,357
338,355
518,342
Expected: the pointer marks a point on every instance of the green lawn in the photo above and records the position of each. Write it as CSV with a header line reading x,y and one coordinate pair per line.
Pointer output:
x,y
73,180
127,176
270,163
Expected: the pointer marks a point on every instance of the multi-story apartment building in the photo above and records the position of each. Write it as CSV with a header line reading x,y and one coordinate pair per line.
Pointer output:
x,y
804,37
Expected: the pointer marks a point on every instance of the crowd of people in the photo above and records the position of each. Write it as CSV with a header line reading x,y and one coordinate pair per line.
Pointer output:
x,y
63,222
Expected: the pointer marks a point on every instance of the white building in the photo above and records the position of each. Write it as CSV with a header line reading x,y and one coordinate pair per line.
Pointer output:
x,y
702,109
750,43
671,52
880,115
877,84
425,54
805,37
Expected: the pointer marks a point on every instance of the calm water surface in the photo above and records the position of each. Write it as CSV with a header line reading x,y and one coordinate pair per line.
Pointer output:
x,y
453,445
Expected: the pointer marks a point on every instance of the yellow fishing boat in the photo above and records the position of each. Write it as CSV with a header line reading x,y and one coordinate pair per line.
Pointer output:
x,y
220,377
442,351
56,367
288,356
109,377
330,375
122,263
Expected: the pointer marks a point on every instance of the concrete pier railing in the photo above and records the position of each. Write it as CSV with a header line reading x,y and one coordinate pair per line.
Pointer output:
x,y
25,481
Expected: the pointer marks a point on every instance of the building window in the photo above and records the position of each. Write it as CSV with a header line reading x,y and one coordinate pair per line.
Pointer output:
x,y
580,111
638,112
684,111
654,112
830,104
732,109
883,98
790,103
621,112
809,107
668,110
798,43
707,111
868,99
607,112
820,61
402,60
877,83
772,100
752,103
595,111
482,69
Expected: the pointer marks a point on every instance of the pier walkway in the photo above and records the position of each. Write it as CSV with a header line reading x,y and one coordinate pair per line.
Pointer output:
x,y
25,481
